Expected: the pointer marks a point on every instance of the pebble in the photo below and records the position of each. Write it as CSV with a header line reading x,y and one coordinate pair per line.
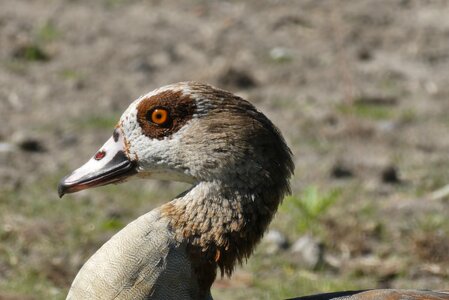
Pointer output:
x,y
309,250
6,147
31,145
274,241
340,171
280,54
237,78
27,143
390,175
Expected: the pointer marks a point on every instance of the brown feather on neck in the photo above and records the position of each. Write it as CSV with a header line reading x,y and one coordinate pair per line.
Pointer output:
x,y
209,226
240,183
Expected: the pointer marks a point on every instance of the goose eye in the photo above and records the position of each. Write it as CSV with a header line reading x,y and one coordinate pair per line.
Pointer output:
x,y
159,116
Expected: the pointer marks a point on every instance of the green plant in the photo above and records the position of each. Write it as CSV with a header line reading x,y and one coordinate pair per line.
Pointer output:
x,y
367,111
31,52
34,50
47,33
71,74
308,208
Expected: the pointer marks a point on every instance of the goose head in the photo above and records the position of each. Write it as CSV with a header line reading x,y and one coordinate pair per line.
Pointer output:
x,y
235,158
189,132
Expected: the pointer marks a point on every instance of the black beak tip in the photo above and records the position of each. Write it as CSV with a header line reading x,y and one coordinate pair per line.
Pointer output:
x,y
62,188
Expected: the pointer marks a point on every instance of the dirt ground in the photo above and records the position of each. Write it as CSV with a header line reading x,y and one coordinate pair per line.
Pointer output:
x,y
360,90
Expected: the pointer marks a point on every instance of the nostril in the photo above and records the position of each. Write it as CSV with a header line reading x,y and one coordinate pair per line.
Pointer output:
x,y
116,135
100,155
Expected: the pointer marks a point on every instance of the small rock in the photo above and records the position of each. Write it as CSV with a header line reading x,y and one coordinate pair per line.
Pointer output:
x,y
331,120
309,250
114,213
404,3
27,143
333,261
76,84
68,139
274,241
431,87
386,126
364,54
6,147
237,78
390,175
143,66
340,171
279,54
31,145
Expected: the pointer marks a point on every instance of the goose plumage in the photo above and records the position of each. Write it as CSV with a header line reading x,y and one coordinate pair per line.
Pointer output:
x,y
239,167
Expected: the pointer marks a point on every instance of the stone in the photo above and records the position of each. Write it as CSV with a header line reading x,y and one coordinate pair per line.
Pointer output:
x,y
309,251
274,241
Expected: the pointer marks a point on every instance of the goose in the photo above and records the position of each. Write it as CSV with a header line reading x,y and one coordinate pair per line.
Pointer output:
x,y
239,167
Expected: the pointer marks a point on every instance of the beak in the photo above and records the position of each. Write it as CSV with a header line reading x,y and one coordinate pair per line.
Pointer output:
x,y
109,165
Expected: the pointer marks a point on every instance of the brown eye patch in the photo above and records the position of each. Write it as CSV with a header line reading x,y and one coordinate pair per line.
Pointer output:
x,y
163,114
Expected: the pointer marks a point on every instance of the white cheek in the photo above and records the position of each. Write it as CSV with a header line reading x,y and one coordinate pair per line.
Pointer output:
x,y
154,153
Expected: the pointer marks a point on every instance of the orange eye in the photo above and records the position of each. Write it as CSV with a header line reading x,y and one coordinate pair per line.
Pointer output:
x,y
159,116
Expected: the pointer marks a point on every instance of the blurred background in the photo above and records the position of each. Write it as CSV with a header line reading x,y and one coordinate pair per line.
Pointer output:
x,y
358,88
